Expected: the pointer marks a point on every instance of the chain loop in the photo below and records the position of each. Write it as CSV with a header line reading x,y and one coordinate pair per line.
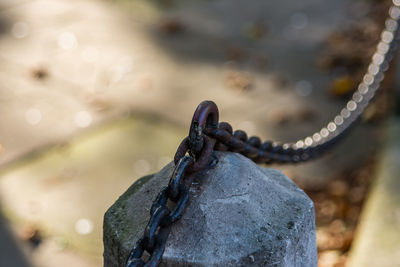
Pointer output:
x,y
160,213
161,239
134,259
207,135
176,214
161,217
204,157
178,174
161,200
205,116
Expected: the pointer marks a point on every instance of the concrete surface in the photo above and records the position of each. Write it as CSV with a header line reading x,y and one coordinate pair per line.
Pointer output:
x,y
239,214
378,239
100,61
64,191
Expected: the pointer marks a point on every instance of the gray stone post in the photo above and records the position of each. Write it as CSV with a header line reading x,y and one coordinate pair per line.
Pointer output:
x,y
239,214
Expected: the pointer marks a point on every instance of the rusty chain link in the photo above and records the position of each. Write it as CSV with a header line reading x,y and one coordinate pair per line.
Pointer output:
x,y
207,135
200,148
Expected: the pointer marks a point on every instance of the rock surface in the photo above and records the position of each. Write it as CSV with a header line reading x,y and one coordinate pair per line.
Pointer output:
x,y
239,214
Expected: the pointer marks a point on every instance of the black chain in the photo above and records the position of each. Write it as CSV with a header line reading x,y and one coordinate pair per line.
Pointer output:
x,y
317,144
200,148
156,232
207,135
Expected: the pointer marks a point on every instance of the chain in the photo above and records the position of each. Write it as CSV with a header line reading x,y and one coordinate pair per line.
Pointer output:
x,y
207,135
321,141
200,148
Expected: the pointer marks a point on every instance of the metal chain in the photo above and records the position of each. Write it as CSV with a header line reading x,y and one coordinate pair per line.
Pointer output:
x,y
156,232
321,141
200,148
207,135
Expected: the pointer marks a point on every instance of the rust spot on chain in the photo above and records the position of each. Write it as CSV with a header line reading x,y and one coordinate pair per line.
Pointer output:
x,y
205,116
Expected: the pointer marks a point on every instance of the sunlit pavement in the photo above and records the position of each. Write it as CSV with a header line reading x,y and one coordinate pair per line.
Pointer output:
x,y
378,239
67,67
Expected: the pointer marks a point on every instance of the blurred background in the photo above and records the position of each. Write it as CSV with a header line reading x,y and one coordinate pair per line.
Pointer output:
x,y
95,94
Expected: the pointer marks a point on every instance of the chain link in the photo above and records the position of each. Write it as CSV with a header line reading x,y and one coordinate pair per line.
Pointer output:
x,y
318,143
157,230
161,217
207,135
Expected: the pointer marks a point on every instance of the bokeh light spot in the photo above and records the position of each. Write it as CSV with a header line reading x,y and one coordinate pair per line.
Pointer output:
x,y
33,116
83,119
84,226
67,40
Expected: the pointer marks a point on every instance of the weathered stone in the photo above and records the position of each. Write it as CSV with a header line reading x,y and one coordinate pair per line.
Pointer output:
x,y
239,214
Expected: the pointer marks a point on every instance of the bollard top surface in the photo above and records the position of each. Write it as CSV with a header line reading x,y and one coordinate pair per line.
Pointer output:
x,y
239,214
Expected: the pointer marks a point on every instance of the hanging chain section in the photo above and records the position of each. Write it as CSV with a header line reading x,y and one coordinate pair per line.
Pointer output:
x,y
318,143
200,148
206,135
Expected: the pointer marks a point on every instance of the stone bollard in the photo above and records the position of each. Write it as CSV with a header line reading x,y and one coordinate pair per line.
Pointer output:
x,y
239,214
